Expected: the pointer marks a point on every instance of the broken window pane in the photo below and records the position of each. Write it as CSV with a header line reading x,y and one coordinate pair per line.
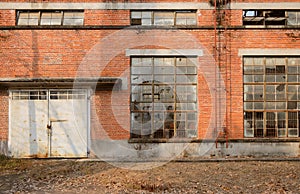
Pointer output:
x,y
73,18
162,99
293,18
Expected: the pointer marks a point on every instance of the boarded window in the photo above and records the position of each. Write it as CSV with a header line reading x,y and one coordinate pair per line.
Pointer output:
x,y
163,97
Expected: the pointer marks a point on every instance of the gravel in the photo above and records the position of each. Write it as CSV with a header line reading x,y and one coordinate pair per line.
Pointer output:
x,y
73,176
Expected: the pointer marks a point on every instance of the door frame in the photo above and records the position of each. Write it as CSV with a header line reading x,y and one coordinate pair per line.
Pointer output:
x,y
88,124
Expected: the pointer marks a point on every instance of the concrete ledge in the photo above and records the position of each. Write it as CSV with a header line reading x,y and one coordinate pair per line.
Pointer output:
x,y
147,6
98,82
121,150
3,147
164,52
269,52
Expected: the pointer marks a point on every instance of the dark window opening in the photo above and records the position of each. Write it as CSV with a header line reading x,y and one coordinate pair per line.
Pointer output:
x,y
270,18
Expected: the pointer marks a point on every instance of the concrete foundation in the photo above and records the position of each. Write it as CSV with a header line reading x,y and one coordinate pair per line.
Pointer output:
x,y
3,147
121,150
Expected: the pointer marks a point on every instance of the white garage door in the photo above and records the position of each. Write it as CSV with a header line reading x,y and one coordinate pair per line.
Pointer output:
x,y
65,112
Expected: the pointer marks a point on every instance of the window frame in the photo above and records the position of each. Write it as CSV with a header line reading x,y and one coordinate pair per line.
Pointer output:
x,y
266,18
275,93
40,17
151,17
183,120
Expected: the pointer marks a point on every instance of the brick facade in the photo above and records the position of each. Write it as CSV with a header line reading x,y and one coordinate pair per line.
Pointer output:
x,y
42,52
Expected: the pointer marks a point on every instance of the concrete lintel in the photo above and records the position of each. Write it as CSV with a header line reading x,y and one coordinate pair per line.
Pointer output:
x,y
164,52
100,6
269,52
146,6
279,5
99,82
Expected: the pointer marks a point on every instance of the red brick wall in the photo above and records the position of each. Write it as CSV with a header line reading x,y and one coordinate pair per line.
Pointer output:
x,y
46,53
7,17
107,17
141,1
4,115
59,53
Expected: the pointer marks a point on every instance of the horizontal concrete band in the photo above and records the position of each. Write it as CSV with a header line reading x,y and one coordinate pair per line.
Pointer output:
x,y
164,52
269,52
146,6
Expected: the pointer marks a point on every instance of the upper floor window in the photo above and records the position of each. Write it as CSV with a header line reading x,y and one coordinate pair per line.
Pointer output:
x,y
164,18
46,18
271,18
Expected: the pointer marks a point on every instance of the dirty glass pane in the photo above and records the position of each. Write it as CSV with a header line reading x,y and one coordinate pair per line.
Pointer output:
x,y
164,70
293,61
292,70
270,78
248,61
185,18
258,61
292,18
292,78
270,97
248,105
280,105
280,78
73,18
293,132
292,105
181,61
270,105
164,78
258,78
292,96
136,14
169,61
138,79
259,89
51,18
270,61
163,18
281,132
258,105
141,70
248,97
280,61
248,69
248,78
258,69
248,88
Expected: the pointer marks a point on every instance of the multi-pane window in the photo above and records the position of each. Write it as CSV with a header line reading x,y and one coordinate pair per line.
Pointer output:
x,y
163,97
164,18
46,18
29,95
271,96
271,17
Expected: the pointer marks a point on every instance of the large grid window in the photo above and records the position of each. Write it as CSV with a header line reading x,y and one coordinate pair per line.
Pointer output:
x,y
164,18
48,18
271,96
163,97
271,18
